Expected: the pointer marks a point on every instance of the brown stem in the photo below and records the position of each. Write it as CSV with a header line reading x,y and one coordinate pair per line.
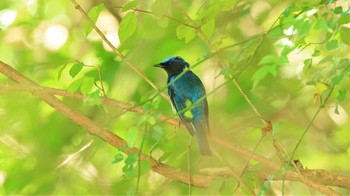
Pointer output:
x,y
94,129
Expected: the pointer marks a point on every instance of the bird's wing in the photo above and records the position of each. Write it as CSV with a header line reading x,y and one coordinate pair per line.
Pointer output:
x,y
179,103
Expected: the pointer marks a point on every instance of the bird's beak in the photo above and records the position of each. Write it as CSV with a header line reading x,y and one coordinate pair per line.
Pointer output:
x,y
158,65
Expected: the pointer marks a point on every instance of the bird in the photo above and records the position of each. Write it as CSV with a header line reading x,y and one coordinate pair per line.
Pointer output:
x,y
186,90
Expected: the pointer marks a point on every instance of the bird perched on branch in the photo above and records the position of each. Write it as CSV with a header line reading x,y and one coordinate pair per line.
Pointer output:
x,y
187,95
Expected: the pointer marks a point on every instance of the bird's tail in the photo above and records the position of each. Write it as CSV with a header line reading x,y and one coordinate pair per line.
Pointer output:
x,y
202,133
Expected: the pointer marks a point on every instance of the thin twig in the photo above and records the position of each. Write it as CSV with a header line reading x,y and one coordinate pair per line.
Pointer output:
x,y
132,66
189,165
233,173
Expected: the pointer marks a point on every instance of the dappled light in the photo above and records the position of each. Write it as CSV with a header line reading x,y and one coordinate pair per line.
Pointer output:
x,y
170,97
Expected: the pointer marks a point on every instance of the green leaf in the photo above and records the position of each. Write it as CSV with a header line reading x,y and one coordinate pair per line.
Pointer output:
x,y
344,19
208,28
75,69
188,113
87,85
341,95
132,158
59,73
336,110
321,25
132,135
161,7
320,87
74,86
316,53
118,157
185,32
93,15
127,26
268,60
145,166
251,179
157,133
337,79
262,72
277,32
282,60
345,35
307,64
332,44
94,98
338,10
130,5
305,28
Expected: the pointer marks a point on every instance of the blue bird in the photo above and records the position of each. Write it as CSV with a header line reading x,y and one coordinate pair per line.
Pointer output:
x,y
185,91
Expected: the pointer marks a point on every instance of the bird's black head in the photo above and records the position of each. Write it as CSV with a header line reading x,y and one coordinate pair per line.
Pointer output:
x,y
173,65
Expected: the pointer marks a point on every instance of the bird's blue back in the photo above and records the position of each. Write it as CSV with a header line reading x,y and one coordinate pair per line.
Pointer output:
x,y
186,90
189,87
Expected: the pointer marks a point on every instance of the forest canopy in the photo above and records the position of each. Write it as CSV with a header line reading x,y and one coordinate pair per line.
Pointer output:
x,y
84,111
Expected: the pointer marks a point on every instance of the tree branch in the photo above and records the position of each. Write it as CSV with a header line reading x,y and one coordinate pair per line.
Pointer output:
x,y
94,129
309,178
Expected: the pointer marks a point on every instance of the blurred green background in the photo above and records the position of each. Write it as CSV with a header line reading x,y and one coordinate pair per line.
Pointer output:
x,y
287,56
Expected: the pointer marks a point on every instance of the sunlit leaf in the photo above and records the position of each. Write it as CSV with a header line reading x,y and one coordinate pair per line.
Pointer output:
x,y
321,25
336,110
188,113
157,133
344,19
208,28
316,53
338,10
307,64
336,79
93,98
75,69
321,87
345,35
93,15
332,44
277,32
130,5
267,59
132,158
341,95
186,33
75,85
118,157
145,166
127,26
87,85
262,73
132,135
59,73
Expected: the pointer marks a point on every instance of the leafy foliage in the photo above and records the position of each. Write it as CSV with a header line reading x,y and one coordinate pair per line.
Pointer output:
x,y
290,59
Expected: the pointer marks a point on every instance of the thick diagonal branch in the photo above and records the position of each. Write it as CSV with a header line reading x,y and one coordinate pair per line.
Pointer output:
x,y
47,95
95,129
